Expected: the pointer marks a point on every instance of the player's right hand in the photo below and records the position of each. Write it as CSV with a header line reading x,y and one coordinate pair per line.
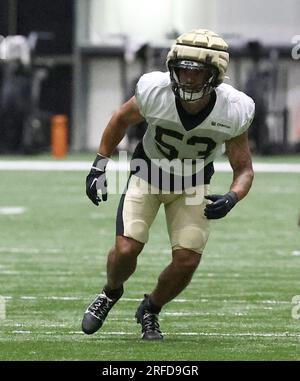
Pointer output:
x,y
96,180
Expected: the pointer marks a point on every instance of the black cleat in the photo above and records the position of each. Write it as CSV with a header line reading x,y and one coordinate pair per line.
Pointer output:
x,y
148,321
96,313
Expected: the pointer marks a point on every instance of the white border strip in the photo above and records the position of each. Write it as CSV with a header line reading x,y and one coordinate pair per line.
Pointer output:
x,y
40,165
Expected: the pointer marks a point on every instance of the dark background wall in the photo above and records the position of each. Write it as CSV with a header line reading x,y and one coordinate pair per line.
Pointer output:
x,y
4,17
57,18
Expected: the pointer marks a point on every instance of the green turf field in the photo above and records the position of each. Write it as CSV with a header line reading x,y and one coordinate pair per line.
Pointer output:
x,y
238,306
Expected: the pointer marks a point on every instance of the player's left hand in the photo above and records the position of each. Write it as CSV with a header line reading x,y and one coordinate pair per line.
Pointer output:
x,y
96,180
220,206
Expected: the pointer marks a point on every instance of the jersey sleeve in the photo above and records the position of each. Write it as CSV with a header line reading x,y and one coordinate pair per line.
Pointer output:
x,y
245,110
147,90
143,91
141,95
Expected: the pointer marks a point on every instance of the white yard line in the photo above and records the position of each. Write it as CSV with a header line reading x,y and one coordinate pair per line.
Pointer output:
x,y
42,165
30,250
53,297
238,334
12,210
199,334
72,298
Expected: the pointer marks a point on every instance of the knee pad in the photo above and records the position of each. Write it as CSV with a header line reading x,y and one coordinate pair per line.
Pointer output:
x,y
192,238
136,229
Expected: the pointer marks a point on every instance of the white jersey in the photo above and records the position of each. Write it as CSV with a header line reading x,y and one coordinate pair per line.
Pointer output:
x,y
166,137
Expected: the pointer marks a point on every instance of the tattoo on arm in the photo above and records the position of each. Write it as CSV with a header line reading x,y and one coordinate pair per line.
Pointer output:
x,y
239,156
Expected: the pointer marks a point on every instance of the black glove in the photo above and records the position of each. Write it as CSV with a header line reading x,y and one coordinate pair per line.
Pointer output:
x,y
220,205
96,180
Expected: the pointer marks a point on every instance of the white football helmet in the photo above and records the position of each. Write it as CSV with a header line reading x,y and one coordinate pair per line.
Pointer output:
x,y
199,49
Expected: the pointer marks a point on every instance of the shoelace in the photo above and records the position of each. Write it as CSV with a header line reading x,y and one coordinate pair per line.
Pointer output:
x,y
150,322
101,306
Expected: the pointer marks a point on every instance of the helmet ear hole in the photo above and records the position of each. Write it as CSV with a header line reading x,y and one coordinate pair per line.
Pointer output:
x,y
176,72
214,78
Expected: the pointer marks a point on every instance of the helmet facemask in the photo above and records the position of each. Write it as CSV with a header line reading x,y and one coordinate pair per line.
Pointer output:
x,y
192,92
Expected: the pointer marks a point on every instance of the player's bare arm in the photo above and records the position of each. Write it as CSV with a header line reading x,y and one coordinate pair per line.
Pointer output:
x,y
127,115
239,156
238,152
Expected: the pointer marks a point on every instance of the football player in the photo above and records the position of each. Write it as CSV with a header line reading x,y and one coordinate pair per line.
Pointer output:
x,y
190,113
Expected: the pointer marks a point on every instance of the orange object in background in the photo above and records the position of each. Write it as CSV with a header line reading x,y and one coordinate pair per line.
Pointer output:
x,y
59,136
